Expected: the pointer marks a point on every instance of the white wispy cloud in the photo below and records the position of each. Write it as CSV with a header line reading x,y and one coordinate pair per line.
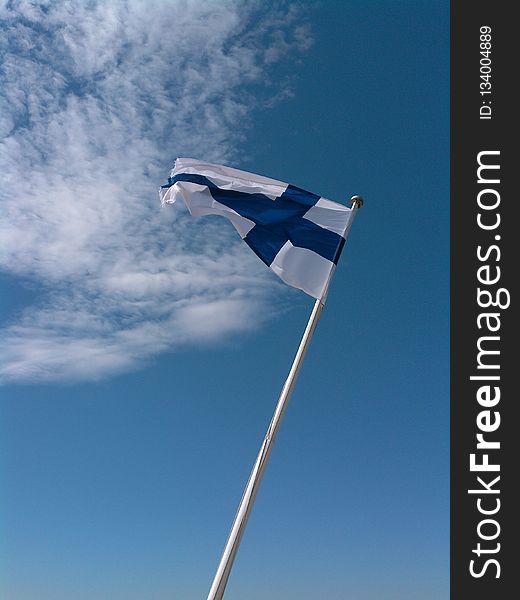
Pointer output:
x,y
97,99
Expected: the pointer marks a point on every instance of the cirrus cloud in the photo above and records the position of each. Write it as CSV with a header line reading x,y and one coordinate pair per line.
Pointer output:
x,y
97,99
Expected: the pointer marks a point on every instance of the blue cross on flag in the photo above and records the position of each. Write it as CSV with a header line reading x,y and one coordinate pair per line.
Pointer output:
x,y
299,235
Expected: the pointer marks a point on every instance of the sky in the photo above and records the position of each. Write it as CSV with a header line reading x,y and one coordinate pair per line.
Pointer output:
x,y
142,352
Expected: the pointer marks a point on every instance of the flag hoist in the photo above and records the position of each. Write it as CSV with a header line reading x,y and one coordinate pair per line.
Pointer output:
x,y
300,236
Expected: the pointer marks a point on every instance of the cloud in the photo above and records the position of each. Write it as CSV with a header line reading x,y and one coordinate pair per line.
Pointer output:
x,y
97,99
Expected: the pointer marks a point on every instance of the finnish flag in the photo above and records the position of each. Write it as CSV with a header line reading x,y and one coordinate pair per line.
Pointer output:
x,y
297,234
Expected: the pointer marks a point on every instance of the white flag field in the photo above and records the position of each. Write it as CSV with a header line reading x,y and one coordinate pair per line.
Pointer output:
x,y
298,234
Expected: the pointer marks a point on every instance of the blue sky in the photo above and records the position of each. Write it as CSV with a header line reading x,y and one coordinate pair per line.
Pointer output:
x,y
143,352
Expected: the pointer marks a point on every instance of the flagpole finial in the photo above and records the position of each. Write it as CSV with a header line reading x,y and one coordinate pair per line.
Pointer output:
x,y
357,201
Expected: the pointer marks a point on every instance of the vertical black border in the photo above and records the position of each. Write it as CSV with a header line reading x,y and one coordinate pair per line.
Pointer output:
x,y
470,135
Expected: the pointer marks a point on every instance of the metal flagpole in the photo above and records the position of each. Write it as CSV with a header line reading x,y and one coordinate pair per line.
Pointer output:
x,y
246,504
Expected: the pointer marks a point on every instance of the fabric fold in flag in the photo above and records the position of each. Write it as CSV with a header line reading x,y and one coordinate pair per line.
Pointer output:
x,y
298,234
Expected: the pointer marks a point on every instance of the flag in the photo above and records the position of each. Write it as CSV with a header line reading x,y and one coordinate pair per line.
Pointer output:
x,y
299,235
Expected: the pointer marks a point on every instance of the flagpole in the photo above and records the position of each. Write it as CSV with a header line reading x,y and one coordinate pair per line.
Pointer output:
x,y
246,504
